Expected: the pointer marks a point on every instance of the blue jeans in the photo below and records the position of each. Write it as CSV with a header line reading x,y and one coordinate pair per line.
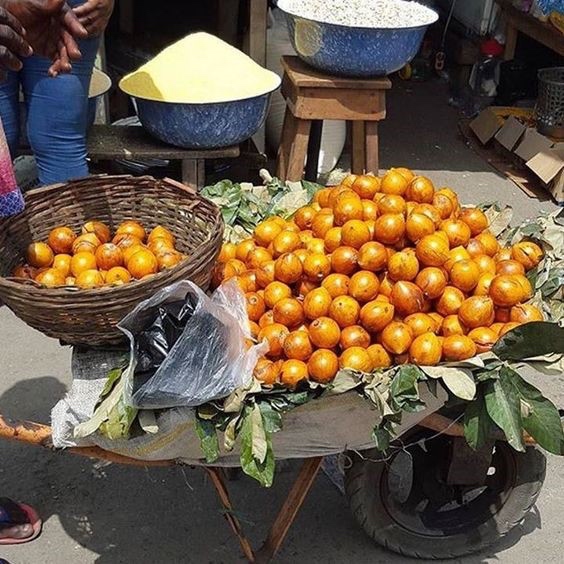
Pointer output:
x,y
57,111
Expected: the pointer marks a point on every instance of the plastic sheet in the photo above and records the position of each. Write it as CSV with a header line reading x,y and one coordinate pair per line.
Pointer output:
x,y
187,348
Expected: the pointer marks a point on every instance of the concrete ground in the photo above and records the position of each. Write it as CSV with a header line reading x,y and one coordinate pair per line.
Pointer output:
x,y
111,515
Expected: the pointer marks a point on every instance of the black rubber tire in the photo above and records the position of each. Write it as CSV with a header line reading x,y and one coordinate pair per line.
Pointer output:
x,y
364,488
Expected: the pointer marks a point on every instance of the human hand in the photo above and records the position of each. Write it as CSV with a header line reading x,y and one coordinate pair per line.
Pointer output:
x,y
13,45
94,15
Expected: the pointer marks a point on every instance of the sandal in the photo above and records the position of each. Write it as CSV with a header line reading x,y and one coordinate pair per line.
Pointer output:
x,y
13,514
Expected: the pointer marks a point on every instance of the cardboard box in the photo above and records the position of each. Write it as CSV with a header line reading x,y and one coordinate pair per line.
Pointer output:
x,y
532,143
548,165
486,124
511,132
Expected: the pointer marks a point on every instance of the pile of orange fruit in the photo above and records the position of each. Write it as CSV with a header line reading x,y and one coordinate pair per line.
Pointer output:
x,y
94,259
377,272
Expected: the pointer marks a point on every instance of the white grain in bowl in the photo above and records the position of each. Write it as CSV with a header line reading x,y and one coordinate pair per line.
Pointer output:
x,y
374,14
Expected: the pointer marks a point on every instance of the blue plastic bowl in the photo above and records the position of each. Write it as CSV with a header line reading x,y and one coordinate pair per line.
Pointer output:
x,y
203,126
354,51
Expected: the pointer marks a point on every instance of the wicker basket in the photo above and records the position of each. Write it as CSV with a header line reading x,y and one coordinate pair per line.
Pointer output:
x,y
90,316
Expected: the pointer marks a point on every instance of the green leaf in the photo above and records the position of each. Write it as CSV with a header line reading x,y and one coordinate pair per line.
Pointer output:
x,y
530,340
344,381
209,442
259,445
477,423
382,438
231,432
113,376
461,383
263,471
271,418
405,380
504,407
542,420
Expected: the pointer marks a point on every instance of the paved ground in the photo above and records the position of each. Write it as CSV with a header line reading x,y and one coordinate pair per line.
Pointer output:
x,y
111,515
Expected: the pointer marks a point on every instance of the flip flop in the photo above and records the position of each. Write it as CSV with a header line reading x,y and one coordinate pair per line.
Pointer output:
x,y
33,520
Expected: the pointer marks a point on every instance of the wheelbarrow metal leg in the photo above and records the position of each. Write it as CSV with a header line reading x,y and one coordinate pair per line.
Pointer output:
x,y
216,476
289,509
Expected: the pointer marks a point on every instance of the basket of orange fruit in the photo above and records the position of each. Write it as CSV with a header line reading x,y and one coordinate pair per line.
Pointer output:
x,y
83,254
378,272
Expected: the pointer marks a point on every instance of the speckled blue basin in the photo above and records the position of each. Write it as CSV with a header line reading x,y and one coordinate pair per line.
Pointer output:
x,y
353,51
203,126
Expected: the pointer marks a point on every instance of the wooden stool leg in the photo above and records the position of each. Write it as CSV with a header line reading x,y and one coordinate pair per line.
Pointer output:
x,y
372,148
194,173
313,148
358,147
293,147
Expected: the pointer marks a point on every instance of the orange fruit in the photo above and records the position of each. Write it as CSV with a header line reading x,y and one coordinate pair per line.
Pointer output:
x,y
364,286
396,337
160,232
101,230
298,346
475,219
291,226
508,327
421,190
51,278
455,255
288,268
389,228
292,373
345,310
407,298
457,231
247,281
356,358
450,301
168,259
355,233
61,239
302,254
485,263
276,291
304,287
418,225
70,281
305,237
275,334
431,212
89,279
244,248
386,285
452,326
432,250
323,366
232,267
316,245
336,284
118,275
266,319
142,263
81,262
474,248
502,314
134,228
366,185
464,275
426,350
407,173
324,333
432,281
372,256
265,274
376,315
108,255
444,204
255,306
525,285
317,303
317,266
484,283
394,182
62,262
438,319
285,242
371,224
529,254
124,240
266,231
349,180
506,290
25,272
525,313
379,356
304,217
256,257
420,323
322,197
267,371
288,312
509,267
369,210
477,311
391,203
344,260
346,209
458,347
484,338
161,244
321,223
403,265
354,336
489,242
332,239
130,251
86,243
278,220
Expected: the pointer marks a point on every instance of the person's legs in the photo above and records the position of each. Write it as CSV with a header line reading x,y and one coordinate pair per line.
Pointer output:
x,y
57,110
10,110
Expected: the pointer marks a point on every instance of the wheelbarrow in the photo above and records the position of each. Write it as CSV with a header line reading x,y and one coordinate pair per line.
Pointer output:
x,y
431,496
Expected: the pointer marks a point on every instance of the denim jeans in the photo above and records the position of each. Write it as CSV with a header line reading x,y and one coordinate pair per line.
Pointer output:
x,y
57,111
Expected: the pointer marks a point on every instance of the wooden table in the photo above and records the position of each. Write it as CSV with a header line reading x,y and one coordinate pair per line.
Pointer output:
x,y
107,142
521,22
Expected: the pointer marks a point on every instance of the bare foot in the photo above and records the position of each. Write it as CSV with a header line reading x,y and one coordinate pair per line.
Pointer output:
x,y
16,532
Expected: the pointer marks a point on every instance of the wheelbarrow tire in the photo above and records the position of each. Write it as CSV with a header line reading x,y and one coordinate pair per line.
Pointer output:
x,y
472,530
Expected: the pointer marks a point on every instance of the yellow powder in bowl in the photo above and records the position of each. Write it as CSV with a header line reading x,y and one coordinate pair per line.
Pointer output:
x,y
199,69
